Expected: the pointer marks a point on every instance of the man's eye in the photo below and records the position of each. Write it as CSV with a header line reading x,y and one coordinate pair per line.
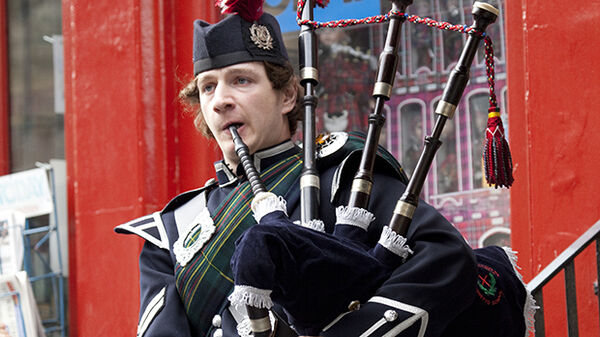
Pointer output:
x,y
242,80
207,88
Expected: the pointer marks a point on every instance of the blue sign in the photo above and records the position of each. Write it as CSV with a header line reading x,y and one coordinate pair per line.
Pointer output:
x,y
285,11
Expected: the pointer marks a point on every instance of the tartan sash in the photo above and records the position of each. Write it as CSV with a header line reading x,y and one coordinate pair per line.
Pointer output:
x,y
206,280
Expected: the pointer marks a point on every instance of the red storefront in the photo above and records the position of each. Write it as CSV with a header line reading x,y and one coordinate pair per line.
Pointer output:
x,y
129,147
125,61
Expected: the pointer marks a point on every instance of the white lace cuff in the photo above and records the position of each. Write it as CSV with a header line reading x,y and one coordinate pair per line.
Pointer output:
x,y
394,242
265,203
354,216
247,295
315,224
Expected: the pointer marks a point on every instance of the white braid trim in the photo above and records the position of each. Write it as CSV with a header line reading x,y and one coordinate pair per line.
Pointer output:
x,y
394,242
267,202
530,307
354,216
315,224
247,295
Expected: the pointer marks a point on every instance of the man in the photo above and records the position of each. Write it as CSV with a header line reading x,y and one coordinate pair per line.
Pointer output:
x,y
243,78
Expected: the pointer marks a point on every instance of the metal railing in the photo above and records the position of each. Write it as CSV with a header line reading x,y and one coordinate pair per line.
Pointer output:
x,y
565,261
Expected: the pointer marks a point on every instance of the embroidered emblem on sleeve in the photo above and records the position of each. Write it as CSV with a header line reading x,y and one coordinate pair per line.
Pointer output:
x,y
486,285
261,37
193,240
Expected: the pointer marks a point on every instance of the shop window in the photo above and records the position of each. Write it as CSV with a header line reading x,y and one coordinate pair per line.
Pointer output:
x,y
37,130
348,63
36,116
345,89
478,105
412,131
496,32
421,43
447,157
503,112
387,138
451,11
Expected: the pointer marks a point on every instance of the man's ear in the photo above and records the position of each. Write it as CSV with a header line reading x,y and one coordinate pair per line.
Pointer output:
x,y
289,98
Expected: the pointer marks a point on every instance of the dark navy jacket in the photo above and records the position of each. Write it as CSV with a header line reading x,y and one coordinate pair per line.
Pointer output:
x,y
421,298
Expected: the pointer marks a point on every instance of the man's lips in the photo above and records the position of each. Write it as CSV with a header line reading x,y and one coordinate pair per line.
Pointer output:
x,y
236,124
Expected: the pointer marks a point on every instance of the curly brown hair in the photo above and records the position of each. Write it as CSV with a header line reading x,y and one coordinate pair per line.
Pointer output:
x,y
281,76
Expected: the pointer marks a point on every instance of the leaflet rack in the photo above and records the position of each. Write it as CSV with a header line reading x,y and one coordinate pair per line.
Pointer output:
x,y
18,311
39,267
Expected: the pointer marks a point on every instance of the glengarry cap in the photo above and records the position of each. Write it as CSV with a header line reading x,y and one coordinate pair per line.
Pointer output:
x,y
238,38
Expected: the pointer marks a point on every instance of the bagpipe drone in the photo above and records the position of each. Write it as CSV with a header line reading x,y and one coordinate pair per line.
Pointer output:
x,y
272,264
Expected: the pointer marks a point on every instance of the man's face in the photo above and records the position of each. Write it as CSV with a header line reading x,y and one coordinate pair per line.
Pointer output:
x,y
242,95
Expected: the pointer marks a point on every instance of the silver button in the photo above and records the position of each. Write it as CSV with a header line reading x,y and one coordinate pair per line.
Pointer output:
x,y
390,315
218,333
354,305
216,321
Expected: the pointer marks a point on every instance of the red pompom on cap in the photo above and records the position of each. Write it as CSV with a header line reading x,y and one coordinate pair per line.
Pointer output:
x,y
322,3
249,10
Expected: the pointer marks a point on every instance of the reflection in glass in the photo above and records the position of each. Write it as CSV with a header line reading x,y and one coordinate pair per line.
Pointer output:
x,y
421,41
504,113
412,131
494,32
451,11
478,106
446,157
346,57
37,132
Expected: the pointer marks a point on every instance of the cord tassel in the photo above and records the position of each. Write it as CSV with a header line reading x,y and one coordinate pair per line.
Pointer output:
x,y
497,158
496,153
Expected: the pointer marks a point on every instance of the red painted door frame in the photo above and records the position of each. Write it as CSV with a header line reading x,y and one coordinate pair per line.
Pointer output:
x,y
553,94
129,146
4,93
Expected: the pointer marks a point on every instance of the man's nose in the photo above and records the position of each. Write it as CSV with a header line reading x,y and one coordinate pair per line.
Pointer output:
x,y
223,98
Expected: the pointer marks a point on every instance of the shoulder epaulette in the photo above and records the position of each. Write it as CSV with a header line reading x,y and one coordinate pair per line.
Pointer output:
x,y
151,227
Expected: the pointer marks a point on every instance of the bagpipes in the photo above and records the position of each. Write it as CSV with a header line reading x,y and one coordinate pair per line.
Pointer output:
x,y
277,273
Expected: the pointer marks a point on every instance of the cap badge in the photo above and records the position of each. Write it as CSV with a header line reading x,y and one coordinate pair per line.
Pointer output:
x,y
261,37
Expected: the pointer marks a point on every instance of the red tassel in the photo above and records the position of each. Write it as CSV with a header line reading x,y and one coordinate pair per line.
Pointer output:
x,y
496,154
249,10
